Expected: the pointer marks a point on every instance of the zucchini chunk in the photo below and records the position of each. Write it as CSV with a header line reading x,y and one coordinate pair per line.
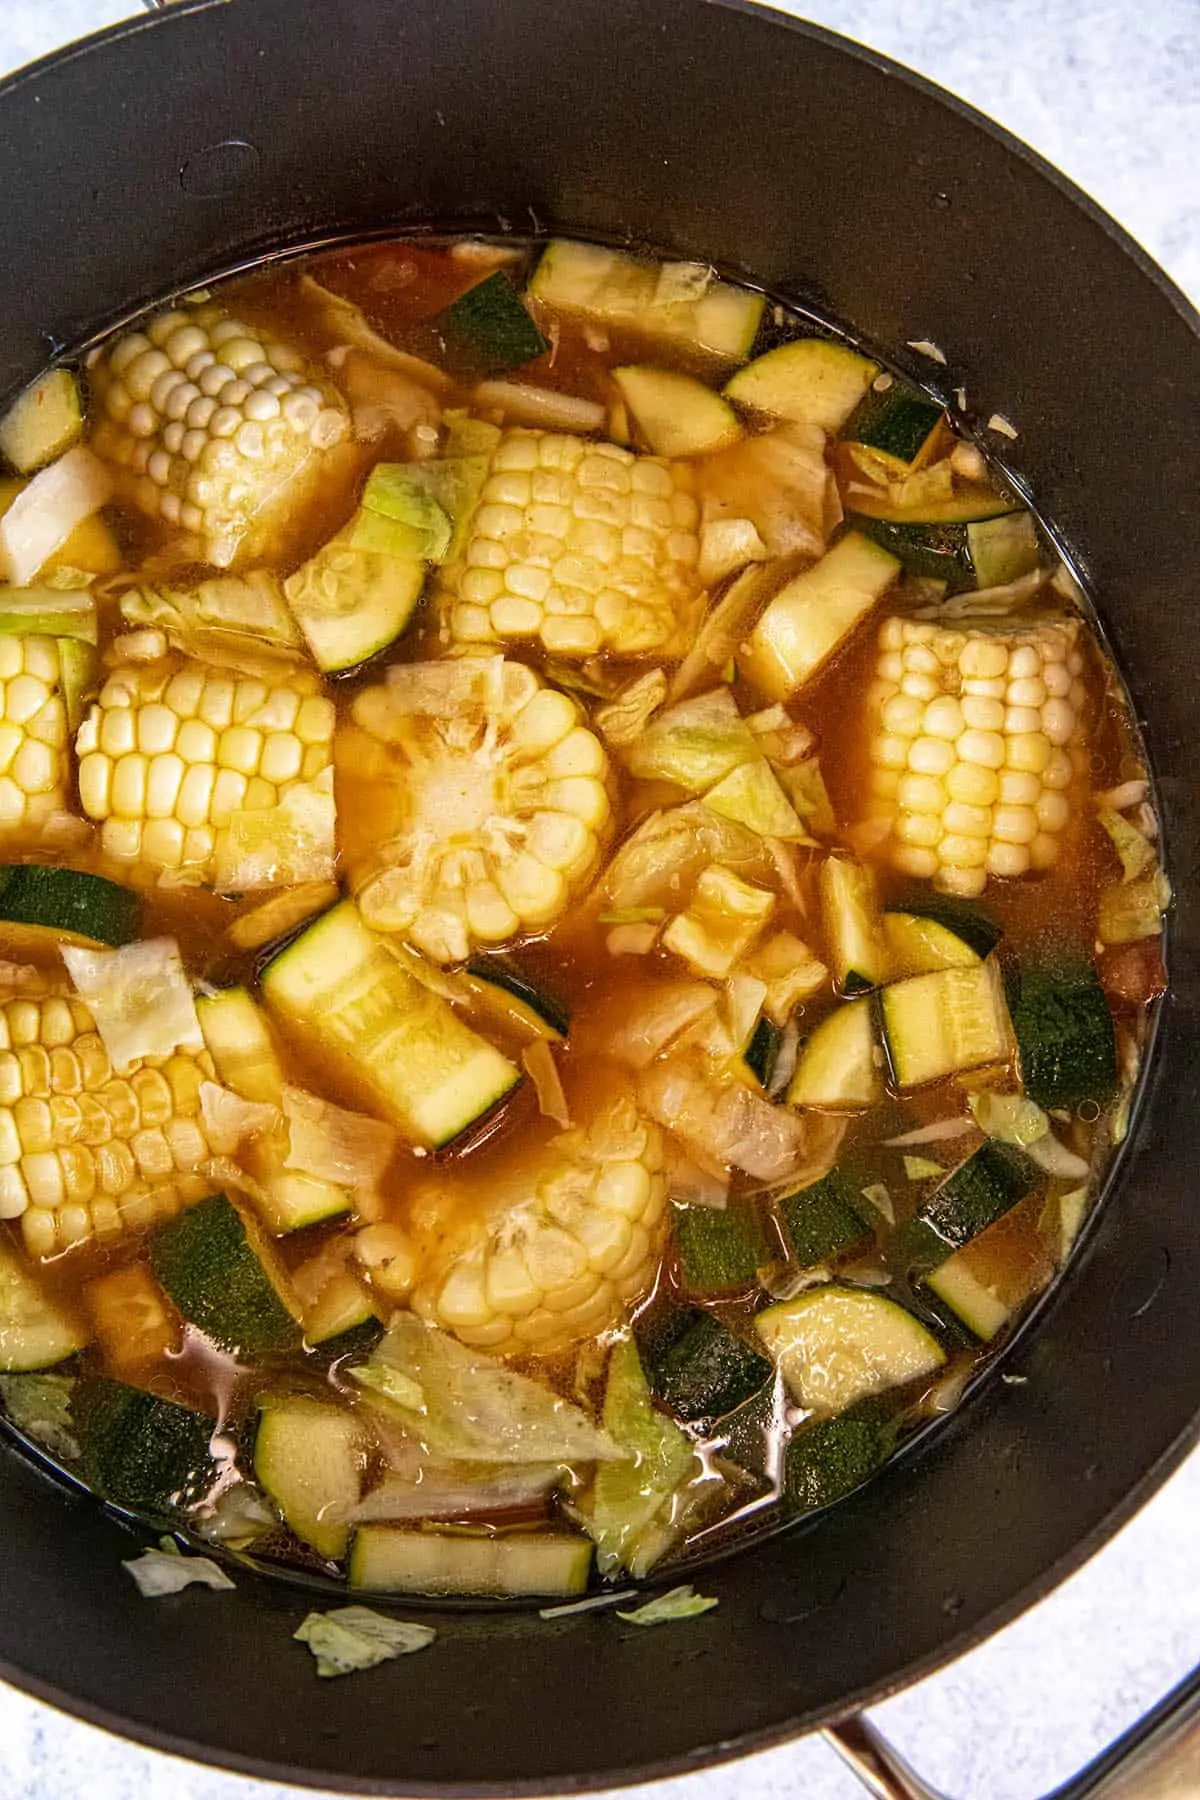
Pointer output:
x,y
310,1460
837,1345
488,328
238,1039
42,422
683,303
43,907
940,1024
930,551
972,1197
823,1220
853,932
399,1042
837,1069
395,1561
720,1249
676,414
815,613
762,1052
357,594
831,1457
1066,1045
698,1368
516,999
36,1331
971,1301
917,946
224,1278
976,928
899,423
812,381
140,1451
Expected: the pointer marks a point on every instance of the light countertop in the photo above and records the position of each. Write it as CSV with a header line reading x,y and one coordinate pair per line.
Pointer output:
x,y
1111,93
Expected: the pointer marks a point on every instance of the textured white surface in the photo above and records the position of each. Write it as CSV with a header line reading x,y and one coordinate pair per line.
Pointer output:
x,y
1111,93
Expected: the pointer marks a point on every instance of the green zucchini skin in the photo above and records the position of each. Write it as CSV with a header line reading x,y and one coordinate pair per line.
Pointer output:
x,y
899,422
823,1220
829,1459
981,1190
140,1451
762,1052
935,552
502,972
720,1249
68,900
206,1262
698,1368
1066,1043
488,329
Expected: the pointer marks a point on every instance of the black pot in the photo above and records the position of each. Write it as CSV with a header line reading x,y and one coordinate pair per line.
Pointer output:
x,y
169,150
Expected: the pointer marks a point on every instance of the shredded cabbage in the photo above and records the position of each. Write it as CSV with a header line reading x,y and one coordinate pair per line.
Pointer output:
x,y
140,998
694,744
45,513
168,1571
666,1609
353,1637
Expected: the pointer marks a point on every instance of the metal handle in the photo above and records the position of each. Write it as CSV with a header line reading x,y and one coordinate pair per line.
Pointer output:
x,y
1156,1759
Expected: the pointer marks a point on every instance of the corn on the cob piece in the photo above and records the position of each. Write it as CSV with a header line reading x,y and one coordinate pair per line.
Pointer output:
x,y
35,756
581,546
173,755
502,798
562,1242
977,742
211,428
84,1153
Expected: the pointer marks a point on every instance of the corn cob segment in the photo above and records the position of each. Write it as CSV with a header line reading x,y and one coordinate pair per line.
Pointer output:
x,y
86,1154
35,758
977,741
212,429
499,796
561,1242
580,546
177,762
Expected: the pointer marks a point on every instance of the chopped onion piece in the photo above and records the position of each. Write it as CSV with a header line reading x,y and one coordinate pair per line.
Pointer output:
x,y
230,1121
636,1036
632,940
1056,1159
1072,1210
1009,1117
1123,798
1002,426
927,347
538,406
45,513
140,998
456,1491
691,1185
542,1070
937,1133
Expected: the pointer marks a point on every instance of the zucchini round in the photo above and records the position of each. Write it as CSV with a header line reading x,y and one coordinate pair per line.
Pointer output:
x,y
41,908
836,1345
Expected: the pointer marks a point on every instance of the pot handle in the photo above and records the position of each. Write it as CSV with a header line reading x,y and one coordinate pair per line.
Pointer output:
x,y
1158,1758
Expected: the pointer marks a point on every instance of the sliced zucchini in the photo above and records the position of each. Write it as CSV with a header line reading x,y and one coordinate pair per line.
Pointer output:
x,y
358,593
831,1457
917,946
454,483
42,908
762,1052
224,1278
42,422
488,329
824,1219
838,1345
682,302
838,1068
946,1022
676,414
343,1306
396,493
1003,549
239,1041
900,423
719,1249
961,507
292,1201
698,1368
981,1190
387,1033
395,1561
310,1459
853,932
812,381
930,552
140,1451
134,1323
813,615
978,1307
976,928
36,1330
514,998
1066,1043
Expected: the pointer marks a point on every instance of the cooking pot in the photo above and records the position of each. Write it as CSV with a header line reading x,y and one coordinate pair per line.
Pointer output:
x,y
175,148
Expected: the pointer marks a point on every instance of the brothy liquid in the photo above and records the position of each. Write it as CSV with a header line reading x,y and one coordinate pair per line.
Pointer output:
x,y
600,915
